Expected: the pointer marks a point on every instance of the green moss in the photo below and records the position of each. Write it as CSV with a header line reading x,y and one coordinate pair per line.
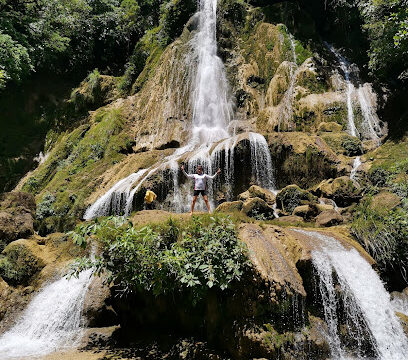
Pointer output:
x,y
275,340
18,265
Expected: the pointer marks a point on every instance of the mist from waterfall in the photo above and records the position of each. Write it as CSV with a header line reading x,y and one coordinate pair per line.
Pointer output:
x,y
368,311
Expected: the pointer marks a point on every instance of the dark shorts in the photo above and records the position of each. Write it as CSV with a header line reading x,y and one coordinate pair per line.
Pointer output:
x,y
198,192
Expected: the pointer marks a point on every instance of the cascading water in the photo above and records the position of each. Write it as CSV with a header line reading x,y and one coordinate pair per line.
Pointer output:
x,y
371,127
356,166
212,106
262,168
366,302
51,321
212,113
116,199
346,68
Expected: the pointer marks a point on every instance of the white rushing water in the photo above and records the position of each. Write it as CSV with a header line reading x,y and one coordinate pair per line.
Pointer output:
x,y
51,321
365,299
116,199
212,105
346,68
356,166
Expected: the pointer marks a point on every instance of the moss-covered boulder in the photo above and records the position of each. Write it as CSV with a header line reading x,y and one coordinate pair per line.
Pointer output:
x,y
306,212
230,206
256,207
19,263
342,190
329,127
385,201
264,194
293,196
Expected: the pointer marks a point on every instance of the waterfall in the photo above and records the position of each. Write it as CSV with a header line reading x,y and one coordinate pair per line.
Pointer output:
x,y
346,68
212,113
370,127
50,322
262,168
356,165
115,199
366,302
212,106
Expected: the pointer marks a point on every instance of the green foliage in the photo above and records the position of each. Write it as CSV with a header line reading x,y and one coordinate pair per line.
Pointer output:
x,y
15,62
379,176
46,207
292,196
193,256
352,146
384,234
18,265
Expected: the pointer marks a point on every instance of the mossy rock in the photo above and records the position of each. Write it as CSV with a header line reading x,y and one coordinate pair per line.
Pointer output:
x,y
256,207
264,194
293,196
330,127
342,190
229,206
306,212
18,263
385,201
329,218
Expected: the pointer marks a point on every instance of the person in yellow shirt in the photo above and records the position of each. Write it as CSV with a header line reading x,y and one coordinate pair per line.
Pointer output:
x,y
149,199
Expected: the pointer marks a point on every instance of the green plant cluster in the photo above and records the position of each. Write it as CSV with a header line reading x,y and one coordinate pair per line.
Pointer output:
x,y
384,234
192,256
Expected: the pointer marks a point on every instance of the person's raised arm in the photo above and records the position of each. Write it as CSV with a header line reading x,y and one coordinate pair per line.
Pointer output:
x,y
188,175
213,176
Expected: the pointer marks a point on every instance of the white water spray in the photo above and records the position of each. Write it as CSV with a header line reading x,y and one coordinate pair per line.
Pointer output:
x,y
356,166
51,322
346,68
212,106
115,199
367,303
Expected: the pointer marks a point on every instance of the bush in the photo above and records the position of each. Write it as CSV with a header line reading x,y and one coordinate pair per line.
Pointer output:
x,y
193,256
352,146
291,197
384,235
379,177
45,208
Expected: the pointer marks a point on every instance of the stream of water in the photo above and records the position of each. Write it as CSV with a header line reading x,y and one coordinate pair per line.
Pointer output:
x,y
367,305
51,321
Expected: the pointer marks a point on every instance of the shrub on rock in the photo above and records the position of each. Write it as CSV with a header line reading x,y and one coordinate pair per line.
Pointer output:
x,y
264,194
293,196
342,190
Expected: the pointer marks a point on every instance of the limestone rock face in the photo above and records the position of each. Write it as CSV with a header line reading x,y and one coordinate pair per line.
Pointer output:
x,y
342,190
329,218
230,206
97,309
17,210
257,206
270,258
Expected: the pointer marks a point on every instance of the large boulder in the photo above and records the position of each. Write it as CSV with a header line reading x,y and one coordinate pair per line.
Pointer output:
x,y
293,196
19,262
385,201
229,206
306,212
17,211
329,218
264,194
342,190
255,207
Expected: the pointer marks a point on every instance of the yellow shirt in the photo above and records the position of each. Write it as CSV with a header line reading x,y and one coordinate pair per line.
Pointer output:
x,y
150,197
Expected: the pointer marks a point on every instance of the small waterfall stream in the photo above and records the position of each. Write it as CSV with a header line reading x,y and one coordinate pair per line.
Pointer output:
x,y
366,302
51,321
